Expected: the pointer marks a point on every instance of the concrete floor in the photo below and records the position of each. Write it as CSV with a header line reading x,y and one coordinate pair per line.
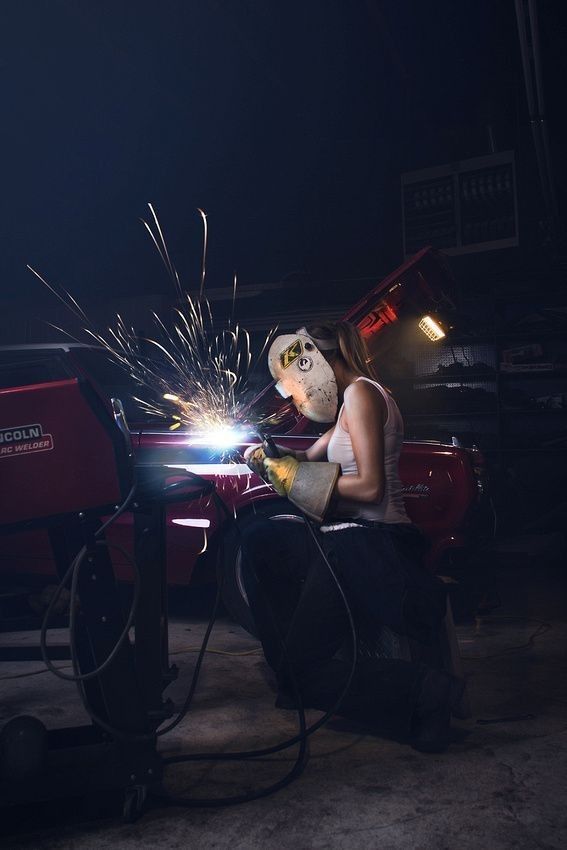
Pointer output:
x,y
500,785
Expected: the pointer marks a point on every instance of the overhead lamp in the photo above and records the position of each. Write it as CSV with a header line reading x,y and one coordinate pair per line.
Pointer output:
x,y
431,328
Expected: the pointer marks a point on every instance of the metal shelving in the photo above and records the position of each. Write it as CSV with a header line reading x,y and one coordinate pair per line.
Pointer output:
x,y
500,426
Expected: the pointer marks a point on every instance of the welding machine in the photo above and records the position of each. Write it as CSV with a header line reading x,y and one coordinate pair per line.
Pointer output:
x,y
65,462
62,452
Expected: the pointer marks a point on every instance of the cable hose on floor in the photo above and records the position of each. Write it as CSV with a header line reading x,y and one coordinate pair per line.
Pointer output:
x,y
250,754
80,678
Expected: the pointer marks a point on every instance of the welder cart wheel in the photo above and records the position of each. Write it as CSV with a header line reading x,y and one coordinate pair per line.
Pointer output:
x,y
232,583
23,749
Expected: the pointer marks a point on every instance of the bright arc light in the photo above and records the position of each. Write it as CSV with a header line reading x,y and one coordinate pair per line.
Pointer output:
x,y
170,397
431,329
219,437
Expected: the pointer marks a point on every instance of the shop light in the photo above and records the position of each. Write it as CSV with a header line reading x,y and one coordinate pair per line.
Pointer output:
x,y
431,328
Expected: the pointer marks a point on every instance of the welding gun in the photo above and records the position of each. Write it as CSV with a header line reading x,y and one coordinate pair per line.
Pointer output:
x,y
270,448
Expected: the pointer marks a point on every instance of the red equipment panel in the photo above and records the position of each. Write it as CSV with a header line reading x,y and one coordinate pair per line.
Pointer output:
x,y
60,452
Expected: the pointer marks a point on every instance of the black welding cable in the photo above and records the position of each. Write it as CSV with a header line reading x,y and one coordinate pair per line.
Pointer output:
x,y
73,609
73,573
206,487
297,768
76,677
173,801
197,670
119,734
220,507
60,587
302,738
250,754
79,678
213,803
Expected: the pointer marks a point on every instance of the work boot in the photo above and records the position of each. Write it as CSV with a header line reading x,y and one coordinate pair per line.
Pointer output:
x,y
438,694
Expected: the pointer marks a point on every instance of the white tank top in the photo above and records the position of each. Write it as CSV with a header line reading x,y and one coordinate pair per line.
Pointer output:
x,y
391,508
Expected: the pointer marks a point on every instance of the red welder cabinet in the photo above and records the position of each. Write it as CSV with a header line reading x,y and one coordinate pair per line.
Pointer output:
x,y
65,462
60,453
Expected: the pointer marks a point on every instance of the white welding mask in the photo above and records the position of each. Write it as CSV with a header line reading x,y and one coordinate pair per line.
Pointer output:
x,y
303,374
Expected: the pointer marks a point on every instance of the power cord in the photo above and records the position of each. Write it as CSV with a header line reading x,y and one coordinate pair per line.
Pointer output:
x,y
80,678
74,570
302,755
326,716
73,573
183,651
541,629
271,450
205,487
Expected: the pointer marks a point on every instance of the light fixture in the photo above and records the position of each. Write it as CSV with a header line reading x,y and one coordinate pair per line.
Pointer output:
x,y
431,328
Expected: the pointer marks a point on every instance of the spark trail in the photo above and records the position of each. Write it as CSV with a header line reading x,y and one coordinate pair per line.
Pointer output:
x,y
193,371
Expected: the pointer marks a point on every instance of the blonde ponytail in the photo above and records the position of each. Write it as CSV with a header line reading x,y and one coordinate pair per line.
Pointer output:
x,y
348,344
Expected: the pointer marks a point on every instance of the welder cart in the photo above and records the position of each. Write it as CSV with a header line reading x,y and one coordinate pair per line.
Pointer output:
x,y
66,463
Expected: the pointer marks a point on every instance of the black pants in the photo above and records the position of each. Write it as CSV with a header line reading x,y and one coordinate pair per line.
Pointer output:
x,y
294,598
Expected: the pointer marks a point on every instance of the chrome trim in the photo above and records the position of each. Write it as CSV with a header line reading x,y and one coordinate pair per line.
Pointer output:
x,y
142,433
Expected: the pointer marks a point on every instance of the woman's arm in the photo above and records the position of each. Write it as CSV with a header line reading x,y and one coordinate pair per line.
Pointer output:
x,y
255,455
318,451
363,417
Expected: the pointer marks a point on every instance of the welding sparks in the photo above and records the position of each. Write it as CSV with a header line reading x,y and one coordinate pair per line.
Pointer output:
x,y
190,373
198,376
204,256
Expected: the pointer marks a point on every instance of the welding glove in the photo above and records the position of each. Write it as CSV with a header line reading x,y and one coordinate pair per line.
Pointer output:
x,y
308,485
255,457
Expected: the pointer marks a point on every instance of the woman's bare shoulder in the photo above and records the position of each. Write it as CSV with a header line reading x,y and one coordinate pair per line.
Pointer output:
x,y
362,391
363,398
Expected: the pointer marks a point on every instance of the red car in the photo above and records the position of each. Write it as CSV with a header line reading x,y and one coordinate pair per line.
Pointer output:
x,y
443,484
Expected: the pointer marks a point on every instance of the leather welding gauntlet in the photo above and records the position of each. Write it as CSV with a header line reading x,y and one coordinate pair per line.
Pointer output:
x,y
308,485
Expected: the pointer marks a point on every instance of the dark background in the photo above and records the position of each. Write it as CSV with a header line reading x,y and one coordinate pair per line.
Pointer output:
x,y
289,123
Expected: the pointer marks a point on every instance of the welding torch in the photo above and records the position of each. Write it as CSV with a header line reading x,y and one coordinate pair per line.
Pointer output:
x,y
268,445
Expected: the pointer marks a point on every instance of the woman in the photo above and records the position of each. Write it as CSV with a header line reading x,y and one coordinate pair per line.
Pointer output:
x,y
349,481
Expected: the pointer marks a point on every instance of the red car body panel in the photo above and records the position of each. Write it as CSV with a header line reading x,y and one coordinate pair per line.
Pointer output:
x,y
440,482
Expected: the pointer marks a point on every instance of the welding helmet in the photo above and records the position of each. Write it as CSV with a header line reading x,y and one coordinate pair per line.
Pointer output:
x,y
304,375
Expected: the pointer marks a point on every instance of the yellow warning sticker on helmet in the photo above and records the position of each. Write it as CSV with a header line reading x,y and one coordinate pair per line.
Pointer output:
x,y
291,353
